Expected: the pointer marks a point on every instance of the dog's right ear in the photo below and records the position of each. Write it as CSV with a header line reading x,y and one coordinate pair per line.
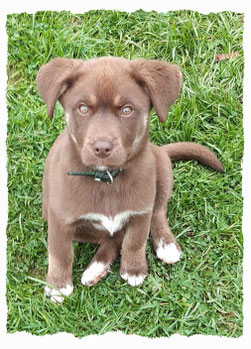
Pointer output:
x,y
54,78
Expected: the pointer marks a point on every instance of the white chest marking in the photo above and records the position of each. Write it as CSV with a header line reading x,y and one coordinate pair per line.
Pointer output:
x,y
111,224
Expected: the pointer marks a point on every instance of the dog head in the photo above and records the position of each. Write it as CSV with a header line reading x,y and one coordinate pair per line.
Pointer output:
x,y
107,103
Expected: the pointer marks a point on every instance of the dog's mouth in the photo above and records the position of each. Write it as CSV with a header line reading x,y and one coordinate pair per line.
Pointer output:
x,y
101,165
103,168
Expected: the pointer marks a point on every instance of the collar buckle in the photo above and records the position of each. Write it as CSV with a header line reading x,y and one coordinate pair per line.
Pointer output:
x,y
111,178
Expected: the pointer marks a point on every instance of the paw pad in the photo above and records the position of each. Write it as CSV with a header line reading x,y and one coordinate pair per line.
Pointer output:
x,y
57,295
168,253
94,272
133,280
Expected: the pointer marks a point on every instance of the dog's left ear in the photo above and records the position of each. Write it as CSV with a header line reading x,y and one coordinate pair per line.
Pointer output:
x,y
162,80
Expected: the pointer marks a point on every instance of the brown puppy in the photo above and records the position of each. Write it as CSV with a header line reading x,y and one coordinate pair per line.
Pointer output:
x,y
107,102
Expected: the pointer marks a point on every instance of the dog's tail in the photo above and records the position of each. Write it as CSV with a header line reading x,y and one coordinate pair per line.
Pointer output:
x,y
193,151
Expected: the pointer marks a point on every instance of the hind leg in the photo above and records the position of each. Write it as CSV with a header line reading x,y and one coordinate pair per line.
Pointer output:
x,y
106,255
163,241
164,244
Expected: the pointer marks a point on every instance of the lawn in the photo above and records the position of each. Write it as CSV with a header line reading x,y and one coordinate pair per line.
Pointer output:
x,y
202,294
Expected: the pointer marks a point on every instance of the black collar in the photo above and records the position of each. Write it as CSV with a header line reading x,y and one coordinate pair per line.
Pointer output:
x,y
104,176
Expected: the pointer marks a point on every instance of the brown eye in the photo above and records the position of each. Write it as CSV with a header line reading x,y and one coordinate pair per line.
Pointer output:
x,y
127,110
83,109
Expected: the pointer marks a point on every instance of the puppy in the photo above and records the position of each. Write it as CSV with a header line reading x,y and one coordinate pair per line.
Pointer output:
x,y
104,182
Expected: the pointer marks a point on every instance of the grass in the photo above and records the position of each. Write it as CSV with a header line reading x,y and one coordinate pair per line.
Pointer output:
x,y
202,294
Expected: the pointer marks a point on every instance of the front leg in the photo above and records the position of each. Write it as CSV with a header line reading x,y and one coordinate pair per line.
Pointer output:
x,y
60,259
133,255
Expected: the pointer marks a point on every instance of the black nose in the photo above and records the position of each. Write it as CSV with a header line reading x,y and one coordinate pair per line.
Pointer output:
x,y
102,148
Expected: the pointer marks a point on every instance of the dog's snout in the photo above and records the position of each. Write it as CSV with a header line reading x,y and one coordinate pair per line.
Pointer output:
x,y
102,148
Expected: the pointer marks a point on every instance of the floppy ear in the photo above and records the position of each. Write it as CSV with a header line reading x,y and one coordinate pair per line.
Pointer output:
x,y
162,80
54,78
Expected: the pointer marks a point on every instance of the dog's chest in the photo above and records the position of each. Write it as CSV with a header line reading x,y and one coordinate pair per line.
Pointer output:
x,y
112,224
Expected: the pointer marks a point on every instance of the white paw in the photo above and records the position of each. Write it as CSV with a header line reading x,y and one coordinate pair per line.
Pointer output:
x,y
133,280
57,295
95,271
168,253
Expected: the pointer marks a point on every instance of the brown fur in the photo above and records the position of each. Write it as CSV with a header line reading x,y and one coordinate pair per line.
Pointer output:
x,y
106,85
